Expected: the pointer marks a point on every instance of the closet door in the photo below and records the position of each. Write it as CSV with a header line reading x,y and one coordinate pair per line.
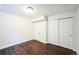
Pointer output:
x,y
39,31
65,32
53,31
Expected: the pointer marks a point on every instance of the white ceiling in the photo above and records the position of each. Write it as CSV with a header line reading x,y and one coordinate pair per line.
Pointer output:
x,y
39,9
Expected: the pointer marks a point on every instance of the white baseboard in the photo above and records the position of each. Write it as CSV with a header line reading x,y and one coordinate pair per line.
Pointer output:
x,y
12,44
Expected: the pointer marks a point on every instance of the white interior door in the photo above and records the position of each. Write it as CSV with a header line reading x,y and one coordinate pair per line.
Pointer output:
x,y
65,33
53,31
39,31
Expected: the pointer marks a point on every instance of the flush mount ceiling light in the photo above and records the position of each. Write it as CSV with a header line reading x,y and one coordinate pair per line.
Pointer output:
x,y
28,10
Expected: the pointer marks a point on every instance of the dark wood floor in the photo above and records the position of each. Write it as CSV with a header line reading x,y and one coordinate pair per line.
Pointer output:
x,y
34,47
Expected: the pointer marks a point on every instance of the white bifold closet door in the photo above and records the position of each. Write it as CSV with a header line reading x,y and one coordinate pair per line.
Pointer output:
x,y
60,32
52,31
65,32
39,31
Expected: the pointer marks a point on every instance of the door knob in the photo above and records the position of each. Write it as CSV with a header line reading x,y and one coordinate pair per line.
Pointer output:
x,y
70,35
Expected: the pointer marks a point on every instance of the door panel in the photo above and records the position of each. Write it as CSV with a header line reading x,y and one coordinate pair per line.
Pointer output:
x,y
39,31
65,33
53,31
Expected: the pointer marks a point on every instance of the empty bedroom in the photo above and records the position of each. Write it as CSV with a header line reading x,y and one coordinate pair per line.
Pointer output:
x,y
39,29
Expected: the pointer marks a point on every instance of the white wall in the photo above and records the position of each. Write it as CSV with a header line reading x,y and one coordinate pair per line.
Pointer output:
x,y
14,30
76,31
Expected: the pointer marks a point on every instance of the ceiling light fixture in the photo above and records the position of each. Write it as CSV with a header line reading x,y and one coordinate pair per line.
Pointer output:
x,y
28,10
